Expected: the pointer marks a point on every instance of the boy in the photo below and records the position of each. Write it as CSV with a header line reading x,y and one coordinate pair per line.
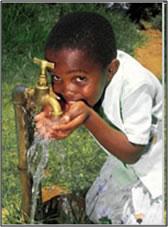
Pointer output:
x,y
89,74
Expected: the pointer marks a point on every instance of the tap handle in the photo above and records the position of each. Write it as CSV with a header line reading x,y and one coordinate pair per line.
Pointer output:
x,y
43,64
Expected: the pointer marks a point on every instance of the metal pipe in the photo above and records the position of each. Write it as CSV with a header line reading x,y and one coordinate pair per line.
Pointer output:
x,y
24,140
26,101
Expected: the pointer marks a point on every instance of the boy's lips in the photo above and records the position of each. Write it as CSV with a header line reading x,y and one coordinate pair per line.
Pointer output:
x,y
67,99
70,100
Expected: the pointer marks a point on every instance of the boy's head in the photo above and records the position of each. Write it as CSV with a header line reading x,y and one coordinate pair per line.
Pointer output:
x,y
82,46
85,31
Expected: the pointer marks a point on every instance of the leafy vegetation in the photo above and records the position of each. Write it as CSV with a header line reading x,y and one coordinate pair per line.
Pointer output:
x,y
76,161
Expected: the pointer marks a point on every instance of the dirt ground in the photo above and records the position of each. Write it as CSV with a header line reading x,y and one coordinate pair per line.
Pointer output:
x,y
150,54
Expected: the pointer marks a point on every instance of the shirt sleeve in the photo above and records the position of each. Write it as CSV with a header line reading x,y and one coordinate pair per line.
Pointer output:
x,y
136,111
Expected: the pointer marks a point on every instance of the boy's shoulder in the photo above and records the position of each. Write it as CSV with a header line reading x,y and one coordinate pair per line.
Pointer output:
x,y
131,71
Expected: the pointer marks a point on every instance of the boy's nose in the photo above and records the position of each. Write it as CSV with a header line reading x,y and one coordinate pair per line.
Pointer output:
x,y
69,91
69,96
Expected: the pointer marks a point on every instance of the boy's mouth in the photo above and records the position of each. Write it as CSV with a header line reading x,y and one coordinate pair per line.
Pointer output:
x,y
65,101
62,99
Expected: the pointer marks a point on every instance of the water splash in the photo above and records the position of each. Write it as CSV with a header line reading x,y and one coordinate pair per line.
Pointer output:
x,y
69,168
37,158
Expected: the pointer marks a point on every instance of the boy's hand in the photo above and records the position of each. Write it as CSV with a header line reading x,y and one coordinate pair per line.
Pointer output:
x,y
43,121
59,128
76,115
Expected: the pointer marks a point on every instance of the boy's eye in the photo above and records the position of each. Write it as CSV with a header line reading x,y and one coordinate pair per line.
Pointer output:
x,y
53,76
56,78
80,78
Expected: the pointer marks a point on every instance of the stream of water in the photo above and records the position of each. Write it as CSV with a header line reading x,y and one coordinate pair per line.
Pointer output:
x,y
37,157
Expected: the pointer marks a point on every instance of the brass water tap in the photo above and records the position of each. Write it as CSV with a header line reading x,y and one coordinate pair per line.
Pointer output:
x,y
42,93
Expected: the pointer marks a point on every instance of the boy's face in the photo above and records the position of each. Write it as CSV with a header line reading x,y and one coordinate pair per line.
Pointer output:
x,y
76,76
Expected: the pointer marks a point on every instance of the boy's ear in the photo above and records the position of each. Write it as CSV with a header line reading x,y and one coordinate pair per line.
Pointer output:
x,y
112,68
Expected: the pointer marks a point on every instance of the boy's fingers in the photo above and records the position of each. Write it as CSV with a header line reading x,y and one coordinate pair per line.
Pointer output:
x,y
42,131
47,108
60,134
45,113
65,119
47,124
71,125
39,116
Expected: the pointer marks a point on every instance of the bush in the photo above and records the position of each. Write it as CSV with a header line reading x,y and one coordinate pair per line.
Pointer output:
x,y
25,28
146,11
157,22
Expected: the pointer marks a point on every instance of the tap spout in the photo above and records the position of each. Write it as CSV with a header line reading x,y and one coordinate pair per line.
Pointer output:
x,y
48,99
43,94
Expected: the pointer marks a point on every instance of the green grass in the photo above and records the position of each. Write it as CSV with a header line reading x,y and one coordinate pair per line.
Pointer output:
x,y
24,31
75,158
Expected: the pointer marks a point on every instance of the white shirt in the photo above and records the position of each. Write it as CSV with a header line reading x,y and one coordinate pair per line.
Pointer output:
x,y
132,102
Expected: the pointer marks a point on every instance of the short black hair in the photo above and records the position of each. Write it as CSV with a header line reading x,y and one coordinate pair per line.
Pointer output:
x,y
88,31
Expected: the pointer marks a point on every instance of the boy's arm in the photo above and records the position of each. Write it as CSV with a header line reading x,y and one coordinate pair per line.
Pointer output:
x,y
113,140
136,112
